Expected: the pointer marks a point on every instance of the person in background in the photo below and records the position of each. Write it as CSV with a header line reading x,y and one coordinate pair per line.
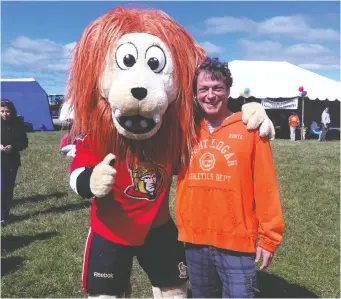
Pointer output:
x,y
325,123
294,122
315,129
13,140
227,204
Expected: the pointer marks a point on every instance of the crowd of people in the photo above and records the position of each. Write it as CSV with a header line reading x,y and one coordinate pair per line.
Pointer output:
x,y
315,129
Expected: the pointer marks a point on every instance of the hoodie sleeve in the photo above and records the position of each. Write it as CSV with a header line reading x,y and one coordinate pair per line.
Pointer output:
x,y
266,192
81,169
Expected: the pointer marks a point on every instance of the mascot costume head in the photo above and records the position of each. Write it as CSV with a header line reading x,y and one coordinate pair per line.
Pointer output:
x,y
130,85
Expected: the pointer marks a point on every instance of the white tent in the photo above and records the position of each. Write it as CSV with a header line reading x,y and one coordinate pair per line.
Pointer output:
x,y
280,79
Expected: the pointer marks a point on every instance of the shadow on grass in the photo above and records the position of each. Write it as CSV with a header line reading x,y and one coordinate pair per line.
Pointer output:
x,y
10,264
272,286
11,243
67,208
62,209
37,198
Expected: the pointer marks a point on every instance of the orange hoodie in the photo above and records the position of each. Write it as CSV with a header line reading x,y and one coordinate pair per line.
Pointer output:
x,y
229,196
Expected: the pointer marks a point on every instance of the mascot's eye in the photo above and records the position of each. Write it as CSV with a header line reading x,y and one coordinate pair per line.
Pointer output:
x,y
129,60
126,56
156,59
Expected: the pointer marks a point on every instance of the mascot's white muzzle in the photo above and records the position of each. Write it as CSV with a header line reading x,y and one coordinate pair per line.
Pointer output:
x,y
136,124
138,114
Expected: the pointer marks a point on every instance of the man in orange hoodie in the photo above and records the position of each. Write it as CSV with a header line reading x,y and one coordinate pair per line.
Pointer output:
x,y
228,197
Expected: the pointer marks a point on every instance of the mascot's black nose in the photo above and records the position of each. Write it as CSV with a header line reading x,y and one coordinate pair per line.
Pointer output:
x,y
139,93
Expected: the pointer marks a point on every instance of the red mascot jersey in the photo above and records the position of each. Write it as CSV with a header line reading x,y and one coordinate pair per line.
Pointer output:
x,y
138,200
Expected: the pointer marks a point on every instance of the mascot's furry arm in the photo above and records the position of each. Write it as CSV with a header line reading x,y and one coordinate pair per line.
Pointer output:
x,y
89,175
254,116
103,177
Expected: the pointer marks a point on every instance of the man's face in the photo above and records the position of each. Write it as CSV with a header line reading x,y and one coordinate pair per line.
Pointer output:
x,y
211,95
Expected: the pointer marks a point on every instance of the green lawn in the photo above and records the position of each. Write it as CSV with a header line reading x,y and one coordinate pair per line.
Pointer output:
x,y
43,244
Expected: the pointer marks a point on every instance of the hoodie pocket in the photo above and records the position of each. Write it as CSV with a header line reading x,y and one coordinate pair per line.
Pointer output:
x,y
209,210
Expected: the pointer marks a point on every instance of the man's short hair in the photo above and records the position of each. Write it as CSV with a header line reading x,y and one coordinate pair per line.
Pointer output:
x,y
217,69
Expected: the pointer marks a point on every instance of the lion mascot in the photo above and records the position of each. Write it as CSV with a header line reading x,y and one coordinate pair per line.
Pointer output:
x,y
130,93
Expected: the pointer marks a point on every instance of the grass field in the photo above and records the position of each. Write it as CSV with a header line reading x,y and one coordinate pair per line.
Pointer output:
x,y
43,243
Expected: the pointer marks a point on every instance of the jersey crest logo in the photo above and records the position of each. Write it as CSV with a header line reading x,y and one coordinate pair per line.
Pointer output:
x,y
148,181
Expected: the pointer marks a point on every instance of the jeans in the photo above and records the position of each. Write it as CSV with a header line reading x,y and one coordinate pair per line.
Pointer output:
x,y
220,273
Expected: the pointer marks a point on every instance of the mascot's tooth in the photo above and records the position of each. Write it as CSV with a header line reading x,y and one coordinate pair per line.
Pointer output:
x,y
143,123
128,123
118,113
156,118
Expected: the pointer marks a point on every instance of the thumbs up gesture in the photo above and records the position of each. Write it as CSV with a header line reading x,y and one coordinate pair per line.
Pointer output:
x,y
103,177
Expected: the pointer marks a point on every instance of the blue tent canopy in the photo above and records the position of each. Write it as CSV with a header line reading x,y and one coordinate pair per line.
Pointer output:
x,y
30,100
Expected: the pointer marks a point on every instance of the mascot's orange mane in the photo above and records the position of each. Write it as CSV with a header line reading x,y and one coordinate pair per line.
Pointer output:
x,y
93,114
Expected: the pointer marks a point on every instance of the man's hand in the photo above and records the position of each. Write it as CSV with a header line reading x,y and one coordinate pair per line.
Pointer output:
x,y
2,148
266,256
103,177
254,116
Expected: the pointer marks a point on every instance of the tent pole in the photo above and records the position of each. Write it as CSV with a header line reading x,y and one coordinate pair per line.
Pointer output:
x,y
303,112
302,125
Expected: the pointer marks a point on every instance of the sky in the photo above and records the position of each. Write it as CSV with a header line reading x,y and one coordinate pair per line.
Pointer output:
x,y
37,38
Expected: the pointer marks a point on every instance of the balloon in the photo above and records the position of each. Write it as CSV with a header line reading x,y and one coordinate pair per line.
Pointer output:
x,y
241,93
304,93
247,90
300,88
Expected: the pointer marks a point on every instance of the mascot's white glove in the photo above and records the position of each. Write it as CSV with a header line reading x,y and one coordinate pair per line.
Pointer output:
x,y
103,177
254,116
